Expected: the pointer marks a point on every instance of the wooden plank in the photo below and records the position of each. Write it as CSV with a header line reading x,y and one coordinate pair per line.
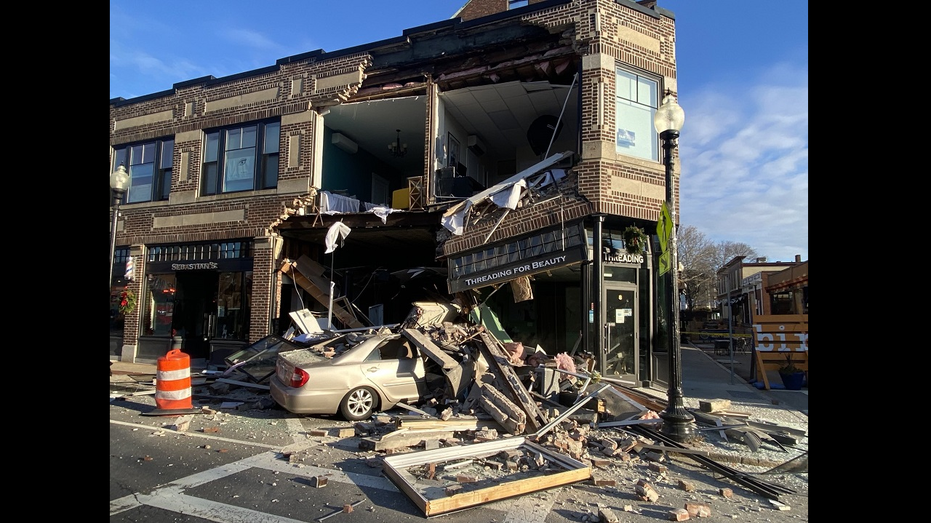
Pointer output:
x,y
452,424
430,349
767,361
433,501
402,438
777,335
781,332
405,406
451,368
309,275
516,390
503,490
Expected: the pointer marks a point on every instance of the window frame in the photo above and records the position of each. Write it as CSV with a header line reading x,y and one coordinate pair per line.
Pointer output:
x,y
226,148
642,109
156,156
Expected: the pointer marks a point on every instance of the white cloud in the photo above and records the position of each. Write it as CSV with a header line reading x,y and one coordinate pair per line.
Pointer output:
x,y
745,163
252,39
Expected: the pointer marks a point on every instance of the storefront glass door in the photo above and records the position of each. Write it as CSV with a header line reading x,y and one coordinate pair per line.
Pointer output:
x,y
620,351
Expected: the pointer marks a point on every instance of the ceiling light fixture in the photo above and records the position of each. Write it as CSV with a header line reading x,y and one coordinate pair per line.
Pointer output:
x,y
397,148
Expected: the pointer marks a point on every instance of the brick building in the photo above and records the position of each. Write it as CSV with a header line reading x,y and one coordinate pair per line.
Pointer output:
x,y
761,287
508,147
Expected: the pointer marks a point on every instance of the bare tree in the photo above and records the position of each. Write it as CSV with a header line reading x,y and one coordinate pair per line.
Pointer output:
x,y
700,259
725,251
696,255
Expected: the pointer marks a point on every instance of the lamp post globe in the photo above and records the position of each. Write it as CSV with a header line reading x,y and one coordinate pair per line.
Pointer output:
x,y
119,180
678,423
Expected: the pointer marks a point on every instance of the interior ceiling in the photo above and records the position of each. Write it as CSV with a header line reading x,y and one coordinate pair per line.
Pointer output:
x,y
500,114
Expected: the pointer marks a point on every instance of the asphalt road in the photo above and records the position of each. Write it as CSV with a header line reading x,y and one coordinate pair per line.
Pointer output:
x,y
231,464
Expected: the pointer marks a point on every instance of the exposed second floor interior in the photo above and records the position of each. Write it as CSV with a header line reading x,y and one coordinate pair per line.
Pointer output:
x,y
499,109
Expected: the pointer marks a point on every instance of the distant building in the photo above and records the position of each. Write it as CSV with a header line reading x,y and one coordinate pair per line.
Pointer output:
x,y
761,288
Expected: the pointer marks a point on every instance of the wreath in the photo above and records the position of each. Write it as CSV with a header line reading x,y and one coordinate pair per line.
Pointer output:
x,y
127,301
634,240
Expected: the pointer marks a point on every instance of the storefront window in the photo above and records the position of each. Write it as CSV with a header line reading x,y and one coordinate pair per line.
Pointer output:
x,y
159,305
234,300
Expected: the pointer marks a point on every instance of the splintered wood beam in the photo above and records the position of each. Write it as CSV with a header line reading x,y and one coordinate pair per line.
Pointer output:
x,y
515,389
451,368
430,349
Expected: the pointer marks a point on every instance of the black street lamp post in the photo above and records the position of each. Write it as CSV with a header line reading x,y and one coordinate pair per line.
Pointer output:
x,y
118,182
678,423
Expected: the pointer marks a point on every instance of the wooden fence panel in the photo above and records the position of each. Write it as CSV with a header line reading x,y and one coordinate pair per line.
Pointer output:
x,y
778,337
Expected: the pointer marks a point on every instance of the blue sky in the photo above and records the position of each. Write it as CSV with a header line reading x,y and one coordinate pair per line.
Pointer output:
x,y
742,81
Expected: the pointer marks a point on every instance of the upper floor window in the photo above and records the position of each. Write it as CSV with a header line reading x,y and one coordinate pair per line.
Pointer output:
x,y
148,165
514,4
636,104
241,158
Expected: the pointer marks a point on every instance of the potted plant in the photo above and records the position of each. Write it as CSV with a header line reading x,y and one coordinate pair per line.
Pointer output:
x,y
792,376
634,240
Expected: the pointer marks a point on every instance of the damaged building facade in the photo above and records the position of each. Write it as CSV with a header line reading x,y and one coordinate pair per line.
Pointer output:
x,y
502,152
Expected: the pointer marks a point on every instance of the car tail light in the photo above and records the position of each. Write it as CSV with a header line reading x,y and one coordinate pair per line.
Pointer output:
x,y
299,377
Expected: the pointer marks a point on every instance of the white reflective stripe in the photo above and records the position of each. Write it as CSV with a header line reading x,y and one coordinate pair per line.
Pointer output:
x,y
171,375
173,394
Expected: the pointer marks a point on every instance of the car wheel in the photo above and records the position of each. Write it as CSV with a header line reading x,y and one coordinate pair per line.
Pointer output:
x,y
359,404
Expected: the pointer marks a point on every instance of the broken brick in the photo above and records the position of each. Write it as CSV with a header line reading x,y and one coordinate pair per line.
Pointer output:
x,y
654,456
605,515
699,510
646,492
678,514
342,432
714,405
602,481
602,463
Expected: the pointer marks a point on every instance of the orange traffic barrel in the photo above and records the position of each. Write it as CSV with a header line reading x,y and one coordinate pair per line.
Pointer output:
x,y
173,381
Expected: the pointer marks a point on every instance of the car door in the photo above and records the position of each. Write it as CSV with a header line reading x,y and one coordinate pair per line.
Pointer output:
x,y
396,369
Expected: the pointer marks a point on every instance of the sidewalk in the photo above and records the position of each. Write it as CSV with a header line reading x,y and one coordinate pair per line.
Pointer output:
x,y
704,373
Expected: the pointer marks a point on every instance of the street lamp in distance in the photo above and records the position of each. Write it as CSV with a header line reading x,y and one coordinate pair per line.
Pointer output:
x,y
678,423
119,180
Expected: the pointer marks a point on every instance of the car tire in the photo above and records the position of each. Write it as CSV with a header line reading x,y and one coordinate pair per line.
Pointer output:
x,y
359,404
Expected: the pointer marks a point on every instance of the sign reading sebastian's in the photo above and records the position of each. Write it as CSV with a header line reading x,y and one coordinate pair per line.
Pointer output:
x,y
526,267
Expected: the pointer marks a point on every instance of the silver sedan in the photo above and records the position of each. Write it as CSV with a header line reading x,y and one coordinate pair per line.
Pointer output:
x,y
374,374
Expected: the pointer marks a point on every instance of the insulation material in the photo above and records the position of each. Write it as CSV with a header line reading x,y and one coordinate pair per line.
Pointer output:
x,y
521,289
